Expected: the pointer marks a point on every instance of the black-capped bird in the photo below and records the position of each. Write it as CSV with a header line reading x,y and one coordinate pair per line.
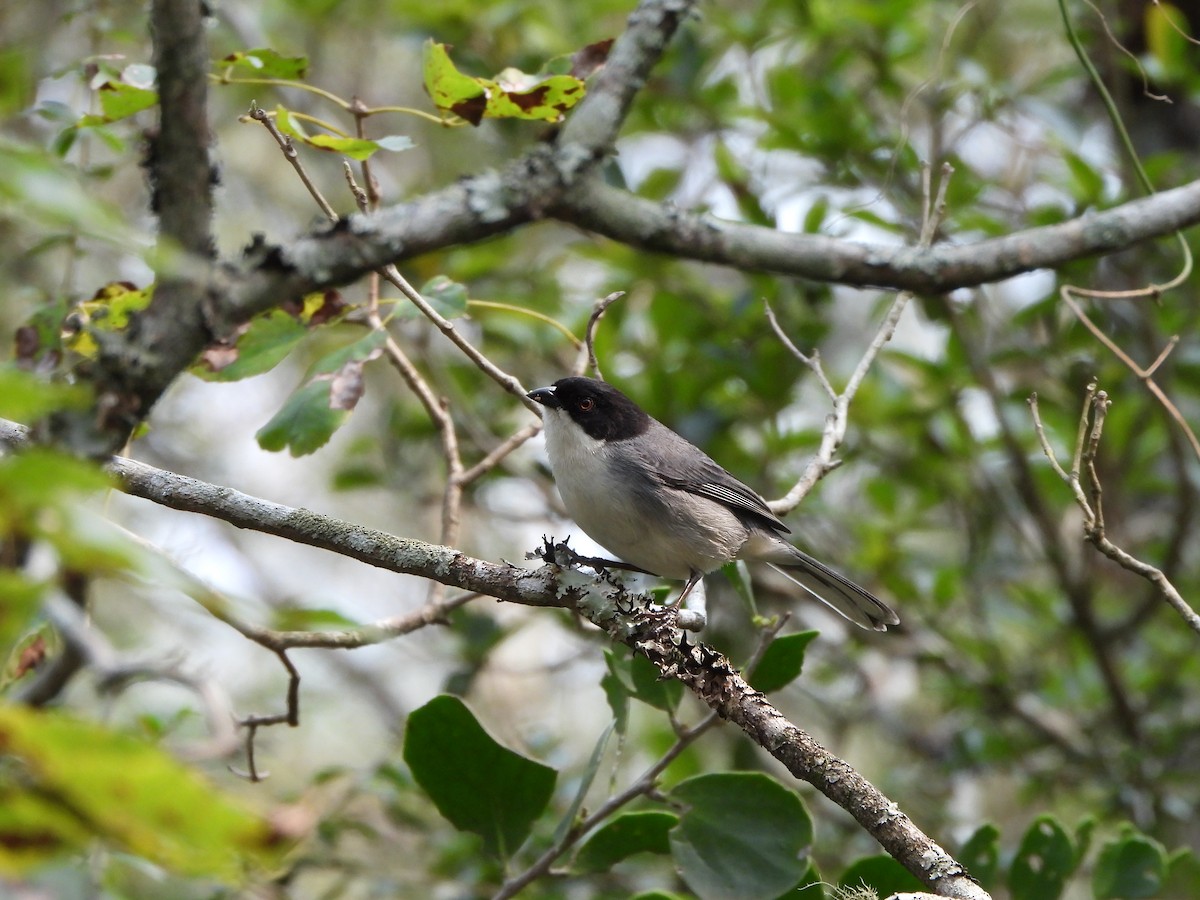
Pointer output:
x,y
661,504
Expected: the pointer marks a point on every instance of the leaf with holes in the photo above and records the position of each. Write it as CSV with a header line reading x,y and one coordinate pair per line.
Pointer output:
x,y
511,95
1044,861
264,62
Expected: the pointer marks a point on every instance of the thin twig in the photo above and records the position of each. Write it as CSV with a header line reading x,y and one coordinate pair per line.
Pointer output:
x,y
497,455
823,462
645,785
1087,446
589,337
289,152
509,382
1067,292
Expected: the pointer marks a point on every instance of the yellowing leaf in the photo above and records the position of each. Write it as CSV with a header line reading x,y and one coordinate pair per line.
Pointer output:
x,y
81,781
512,95
110,309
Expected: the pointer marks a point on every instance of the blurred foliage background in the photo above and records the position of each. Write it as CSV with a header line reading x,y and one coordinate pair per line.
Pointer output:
x,y
1031,676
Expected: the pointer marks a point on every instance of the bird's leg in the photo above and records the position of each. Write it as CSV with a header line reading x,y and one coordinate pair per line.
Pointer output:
x,y
687,588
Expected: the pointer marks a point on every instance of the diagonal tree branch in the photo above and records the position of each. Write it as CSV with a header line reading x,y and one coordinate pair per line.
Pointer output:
x,y
653,631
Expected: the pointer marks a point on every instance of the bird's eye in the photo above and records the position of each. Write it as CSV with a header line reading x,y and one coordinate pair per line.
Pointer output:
x,y
587,404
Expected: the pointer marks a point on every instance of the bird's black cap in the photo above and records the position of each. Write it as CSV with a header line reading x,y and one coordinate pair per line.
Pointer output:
x,y
602,411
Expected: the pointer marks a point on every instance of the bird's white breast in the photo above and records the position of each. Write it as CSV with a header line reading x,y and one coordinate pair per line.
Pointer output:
x,y
600,497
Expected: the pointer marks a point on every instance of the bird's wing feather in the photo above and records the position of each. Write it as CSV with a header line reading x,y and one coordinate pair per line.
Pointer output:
x,y
688,468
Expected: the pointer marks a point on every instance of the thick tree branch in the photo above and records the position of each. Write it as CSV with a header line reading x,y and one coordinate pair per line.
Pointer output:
x,y
180,170
651,630
592,129
713,678
133,369
498,201
547,181
662,228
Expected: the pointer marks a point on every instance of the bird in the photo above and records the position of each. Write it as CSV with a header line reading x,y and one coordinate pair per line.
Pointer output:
x,y
664,506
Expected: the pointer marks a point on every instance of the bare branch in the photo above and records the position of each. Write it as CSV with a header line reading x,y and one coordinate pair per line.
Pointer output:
x,y
589,339
509,382
710,675
642,223
836,423
1087,446
1145,374
497,455
1040,430
289,153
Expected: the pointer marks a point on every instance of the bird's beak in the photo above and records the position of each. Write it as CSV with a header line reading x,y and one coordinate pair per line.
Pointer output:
x,y
545,396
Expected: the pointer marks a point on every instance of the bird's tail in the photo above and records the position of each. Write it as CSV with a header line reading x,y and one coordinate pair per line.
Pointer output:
x,y
840,594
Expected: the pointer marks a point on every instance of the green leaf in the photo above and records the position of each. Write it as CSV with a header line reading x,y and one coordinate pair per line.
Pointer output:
x,y
1130,867
512,95
650,687
1166,29
815,217
782,662
881,873
448,297
38,478
738,574
109,310
623,836
119,100
1088,183
44,192
26,398
319,407
449,88
80,780
545,100
19,599
305,423
267,340
617,689
980,855
266,63
1183,874
353,147
1044,861
742,835
477,784
659,184
364,348
358,148
585,783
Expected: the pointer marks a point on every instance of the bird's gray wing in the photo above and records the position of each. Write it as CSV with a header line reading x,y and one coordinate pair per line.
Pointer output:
x,y
685,467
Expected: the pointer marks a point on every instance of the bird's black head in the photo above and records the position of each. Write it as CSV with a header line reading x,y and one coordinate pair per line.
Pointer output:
x,y
598,408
